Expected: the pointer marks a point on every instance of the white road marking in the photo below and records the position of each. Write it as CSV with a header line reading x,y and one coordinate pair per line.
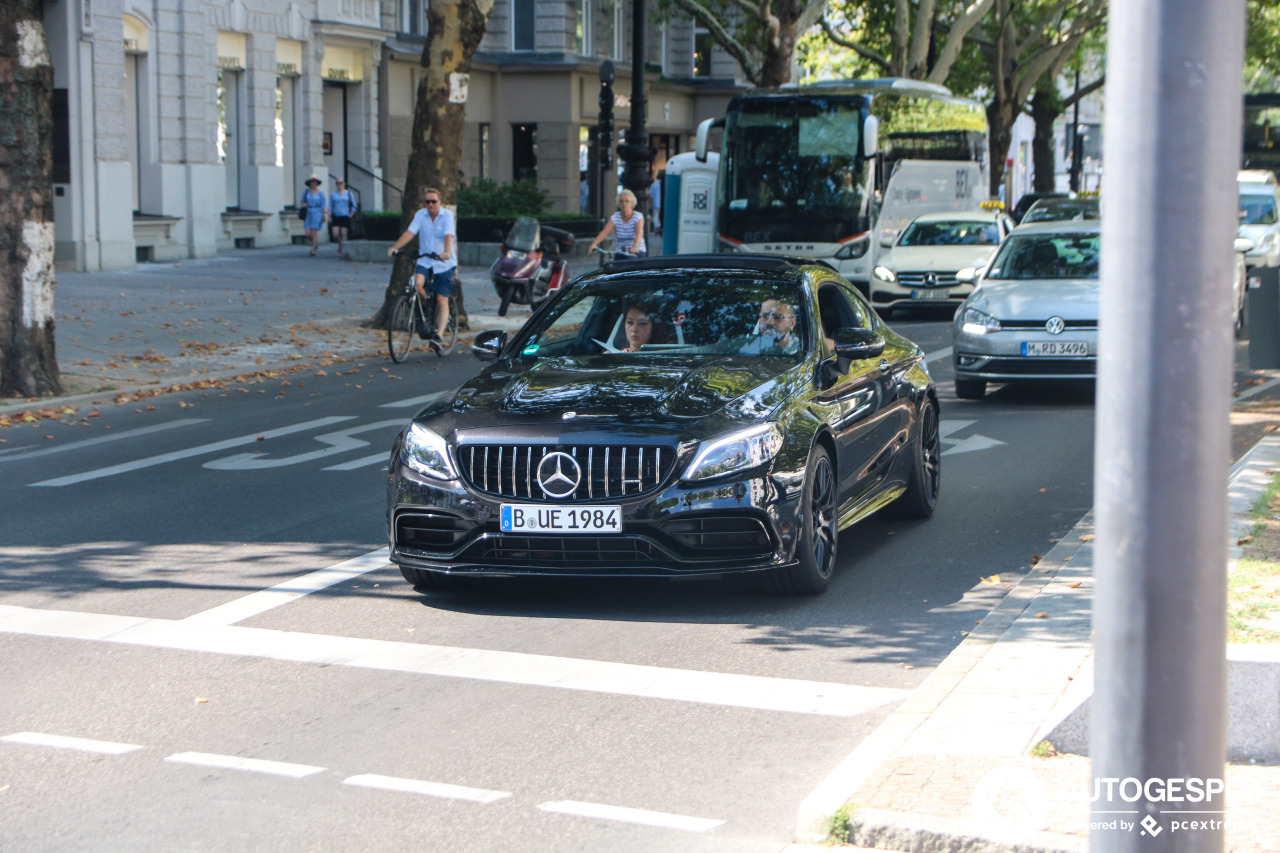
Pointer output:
x,y
411,402
26,453
649,682
103,747
626,815
253,765
339,442
291,590
429,789
947,427
937,355
150,461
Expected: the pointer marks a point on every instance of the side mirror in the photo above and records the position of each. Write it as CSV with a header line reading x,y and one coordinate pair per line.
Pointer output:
x,y
704,134
487,345
968,275
887,239
856,345
1244,244
870,137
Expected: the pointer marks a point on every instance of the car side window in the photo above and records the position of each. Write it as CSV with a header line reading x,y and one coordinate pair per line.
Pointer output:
x,y
838,311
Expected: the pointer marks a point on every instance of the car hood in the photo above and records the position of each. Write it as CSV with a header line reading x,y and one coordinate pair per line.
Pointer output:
x,y
1070,299
623,389
936,258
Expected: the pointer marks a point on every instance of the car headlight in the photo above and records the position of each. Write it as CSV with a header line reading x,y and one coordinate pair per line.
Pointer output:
x,y
427,453
855,248
736,451
975,322
884,274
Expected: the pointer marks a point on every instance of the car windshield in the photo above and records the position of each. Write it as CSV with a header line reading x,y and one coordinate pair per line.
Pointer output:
x,y
950,233
1046,256
675,314
1258,209
1060,211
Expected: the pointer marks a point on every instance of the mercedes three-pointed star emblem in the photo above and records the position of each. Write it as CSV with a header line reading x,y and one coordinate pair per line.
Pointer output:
x,y
559,475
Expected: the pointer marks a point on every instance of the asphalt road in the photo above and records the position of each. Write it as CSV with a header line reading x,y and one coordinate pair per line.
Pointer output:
x,y
553,716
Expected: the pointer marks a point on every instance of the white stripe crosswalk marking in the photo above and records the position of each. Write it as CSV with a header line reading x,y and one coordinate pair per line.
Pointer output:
x,y
150,461
102,747
429,789
650,682
283,593
253,765
411,401
628,815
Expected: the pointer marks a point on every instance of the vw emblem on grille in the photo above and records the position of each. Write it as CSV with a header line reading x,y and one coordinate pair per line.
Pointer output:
x,y
1055,325
930,279
559,475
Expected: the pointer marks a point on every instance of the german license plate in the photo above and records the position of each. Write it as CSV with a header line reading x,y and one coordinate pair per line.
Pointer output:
x,y
933,293
552,518
1055,348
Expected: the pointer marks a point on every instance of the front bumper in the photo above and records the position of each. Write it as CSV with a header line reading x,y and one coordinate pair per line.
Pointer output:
x,y
747,524
1001,356
893,294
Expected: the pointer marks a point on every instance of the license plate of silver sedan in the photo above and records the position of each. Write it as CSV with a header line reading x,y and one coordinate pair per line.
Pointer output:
x,y
671,417
1054,348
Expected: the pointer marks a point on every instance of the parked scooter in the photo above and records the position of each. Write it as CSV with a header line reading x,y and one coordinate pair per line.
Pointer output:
x,y
531,263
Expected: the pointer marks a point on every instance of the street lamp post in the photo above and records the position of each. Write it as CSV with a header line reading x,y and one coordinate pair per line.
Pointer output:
x,y
636,152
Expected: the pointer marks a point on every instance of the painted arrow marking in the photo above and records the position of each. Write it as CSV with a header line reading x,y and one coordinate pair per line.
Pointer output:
x,y
947,428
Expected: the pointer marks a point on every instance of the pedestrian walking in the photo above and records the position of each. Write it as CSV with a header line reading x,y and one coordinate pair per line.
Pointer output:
x,y
315,210
342,206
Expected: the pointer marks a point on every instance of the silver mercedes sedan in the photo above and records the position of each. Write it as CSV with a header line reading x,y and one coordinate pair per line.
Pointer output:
x,y
1033,314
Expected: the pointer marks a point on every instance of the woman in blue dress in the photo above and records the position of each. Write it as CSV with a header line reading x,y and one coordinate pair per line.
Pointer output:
x,y
342,206
317,211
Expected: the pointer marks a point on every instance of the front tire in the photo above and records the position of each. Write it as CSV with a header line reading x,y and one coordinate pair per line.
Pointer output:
x,y
921,496
816,552
400,330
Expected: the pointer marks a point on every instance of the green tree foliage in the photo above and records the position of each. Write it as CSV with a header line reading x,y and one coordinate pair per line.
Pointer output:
x,y
486,197
1262,47
761,36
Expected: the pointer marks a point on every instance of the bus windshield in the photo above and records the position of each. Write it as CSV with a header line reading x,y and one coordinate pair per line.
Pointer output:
x,y
792,171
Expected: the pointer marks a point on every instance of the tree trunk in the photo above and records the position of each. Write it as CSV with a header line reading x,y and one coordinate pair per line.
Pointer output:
x,y
454,31
1046,106
775,70
28,365
1000,118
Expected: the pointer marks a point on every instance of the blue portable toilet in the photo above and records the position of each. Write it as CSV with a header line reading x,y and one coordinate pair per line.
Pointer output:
x,y
689,204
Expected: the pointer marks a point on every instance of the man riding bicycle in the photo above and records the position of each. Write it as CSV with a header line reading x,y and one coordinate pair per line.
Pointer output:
x,y
437,232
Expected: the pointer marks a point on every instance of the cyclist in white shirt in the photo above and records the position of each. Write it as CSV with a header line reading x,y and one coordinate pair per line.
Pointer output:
x,y
628,225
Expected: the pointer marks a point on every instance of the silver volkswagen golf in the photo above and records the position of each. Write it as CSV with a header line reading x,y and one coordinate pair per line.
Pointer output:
x,y
1033,314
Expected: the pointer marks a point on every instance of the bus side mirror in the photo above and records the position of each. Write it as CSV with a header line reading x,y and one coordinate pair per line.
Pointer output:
x,y
704,134
870,137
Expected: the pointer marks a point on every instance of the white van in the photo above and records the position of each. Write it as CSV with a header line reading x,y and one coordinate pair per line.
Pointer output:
x,y
1260,216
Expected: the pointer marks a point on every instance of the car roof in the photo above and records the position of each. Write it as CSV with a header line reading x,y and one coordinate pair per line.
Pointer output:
x,y
1256,176
1059,201
1060,226
755,262
960,216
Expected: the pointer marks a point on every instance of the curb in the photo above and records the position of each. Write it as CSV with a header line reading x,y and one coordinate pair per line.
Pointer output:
x,y
910,833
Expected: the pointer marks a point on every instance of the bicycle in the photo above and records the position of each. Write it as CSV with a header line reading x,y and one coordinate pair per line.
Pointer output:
x,y
618,255
409,315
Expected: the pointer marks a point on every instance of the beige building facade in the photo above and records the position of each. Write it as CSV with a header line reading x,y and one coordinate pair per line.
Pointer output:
x,y
182,127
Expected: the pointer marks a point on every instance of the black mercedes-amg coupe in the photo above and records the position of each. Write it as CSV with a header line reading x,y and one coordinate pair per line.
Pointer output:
x,y
676,416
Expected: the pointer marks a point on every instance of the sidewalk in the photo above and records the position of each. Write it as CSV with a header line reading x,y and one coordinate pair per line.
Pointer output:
x,y
243,312
953,768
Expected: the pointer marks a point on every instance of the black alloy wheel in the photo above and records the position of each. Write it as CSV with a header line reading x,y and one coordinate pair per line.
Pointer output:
x,y
816,551
400,329
925,479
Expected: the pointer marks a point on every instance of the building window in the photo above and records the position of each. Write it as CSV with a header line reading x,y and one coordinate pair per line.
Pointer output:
x,y
522,27
619,43
524,152
582,27
413,17
703,42
484,150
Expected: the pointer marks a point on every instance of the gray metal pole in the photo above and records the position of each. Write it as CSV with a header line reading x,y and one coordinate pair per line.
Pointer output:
x,y
1174,70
